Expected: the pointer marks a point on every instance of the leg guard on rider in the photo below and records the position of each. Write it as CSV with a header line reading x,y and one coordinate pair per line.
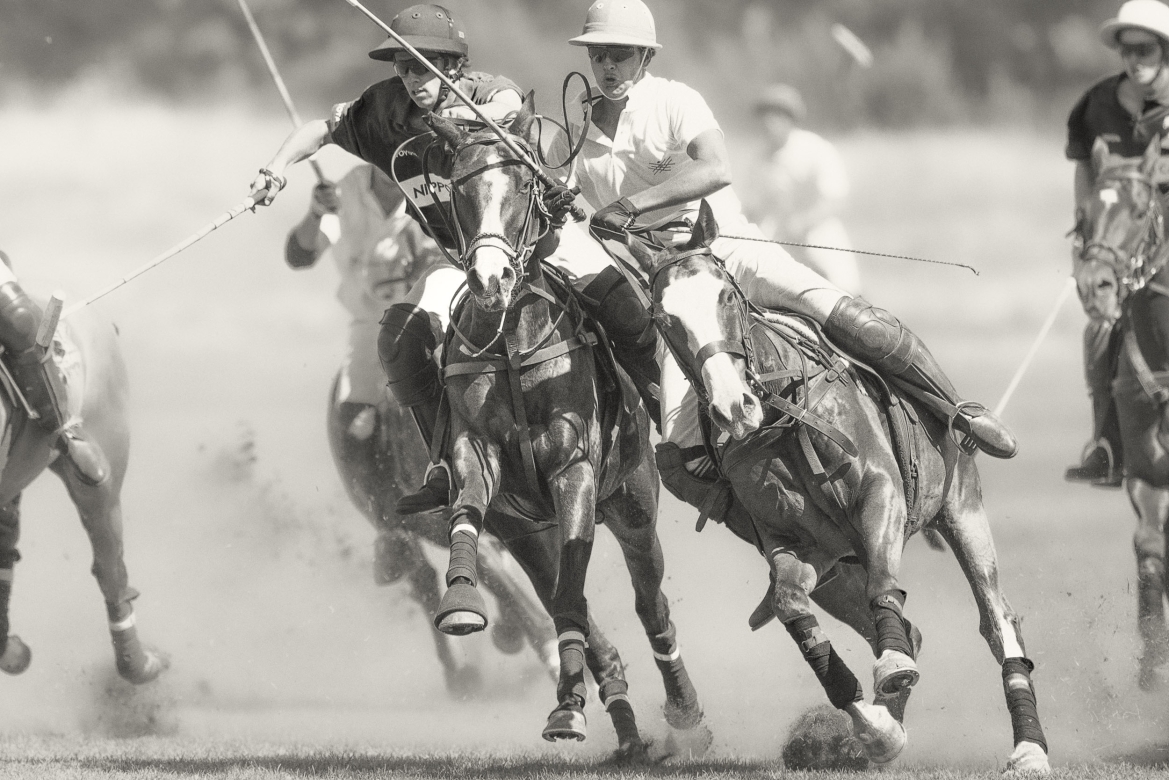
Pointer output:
x,y
1102,460
41,382
875,336
406,346
611,302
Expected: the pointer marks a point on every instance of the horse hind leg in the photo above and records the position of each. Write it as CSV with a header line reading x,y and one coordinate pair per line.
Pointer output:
x,y
967,530
1152,507
881,736
14,654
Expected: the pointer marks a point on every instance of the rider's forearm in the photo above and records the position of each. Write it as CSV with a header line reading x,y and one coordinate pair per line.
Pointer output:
x,y
301,144
700,179
1084,182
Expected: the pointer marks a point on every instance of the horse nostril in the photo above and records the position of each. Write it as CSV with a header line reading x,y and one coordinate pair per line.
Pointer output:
x,y
507,278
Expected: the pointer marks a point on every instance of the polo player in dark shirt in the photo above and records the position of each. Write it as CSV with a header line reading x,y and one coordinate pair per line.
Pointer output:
x,y
1126,111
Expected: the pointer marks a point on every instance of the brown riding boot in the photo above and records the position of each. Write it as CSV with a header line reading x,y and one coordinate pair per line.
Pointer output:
x,y
876,337
1102,461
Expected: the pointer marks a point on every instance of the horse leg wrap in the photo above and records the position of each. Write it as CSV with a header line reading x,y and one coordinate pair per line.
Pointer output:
x,y
615,696
464,554
682,710
5,596
892,628
1020,693
571,687
841,685
611,302
406,346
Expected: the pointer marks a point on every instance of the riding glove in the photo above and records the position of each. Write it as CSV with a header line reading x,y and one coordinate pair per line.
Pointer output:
x,y
558,199
613,220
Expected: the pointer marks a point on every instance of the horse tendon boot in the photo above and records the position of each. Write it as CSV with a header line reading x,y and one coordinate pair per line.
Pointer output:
x,y
567,721
894,670
875,336
462,610
1151,617
135,663
15,656
1030,752
682,709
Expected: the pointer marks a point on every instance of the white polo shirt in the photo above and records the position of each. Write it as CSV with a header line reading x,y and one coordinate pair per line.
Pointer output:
x,y
660,120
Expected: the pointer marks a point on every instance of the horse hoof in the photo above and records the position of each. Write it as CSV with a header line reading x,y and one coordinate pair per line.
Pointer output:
x,y
683,745
894,671
632,752
566,722
508,637
145,669
878,731
894,702
462,611
1027,758
16,656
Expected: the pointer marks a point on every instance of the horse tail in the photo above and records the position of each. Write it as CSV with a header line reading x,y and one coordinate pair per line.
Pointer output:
x,y
934,539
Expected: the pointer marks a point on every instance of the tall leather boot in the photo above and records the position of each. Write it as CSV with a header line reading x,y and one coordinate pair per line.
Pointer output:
x,y
406,346
41,382
610,301
1102,462
876,337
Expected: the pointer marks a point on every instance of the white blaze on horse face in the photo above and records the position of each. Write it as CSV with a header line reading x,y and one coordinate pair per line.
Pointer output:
x,y
694,301
491,260
1109,197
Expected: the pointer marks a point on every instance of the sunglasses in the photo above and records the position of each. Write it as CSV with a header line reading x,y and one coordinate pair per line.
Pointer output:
x,y
1140,50
408,65
616,53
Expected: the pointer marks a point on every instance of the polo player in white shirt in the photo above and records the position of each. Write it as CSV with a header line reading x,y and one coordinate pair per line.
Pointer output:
x,y
653,146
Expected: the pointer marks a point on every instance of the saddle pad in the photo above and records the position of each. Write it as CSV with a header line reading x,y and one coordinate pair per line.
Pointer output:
x,y
69,359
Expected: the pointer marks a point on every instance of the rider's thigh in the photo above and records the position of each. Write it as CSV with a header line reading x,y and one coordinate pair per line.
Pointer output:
x,y
435,292
773,278
579,255
678,401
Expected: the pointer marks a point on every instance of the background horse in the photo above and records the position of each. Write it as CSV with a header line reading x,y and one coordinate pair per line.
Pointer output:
x,y
378,459
87,349
830,486
1122,277
538,432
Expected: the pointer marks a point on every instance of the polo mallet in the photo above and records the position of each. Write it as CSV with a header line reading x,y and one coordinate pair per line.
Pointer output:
x,y
545,179
275,73
853,46
1043,331
246,204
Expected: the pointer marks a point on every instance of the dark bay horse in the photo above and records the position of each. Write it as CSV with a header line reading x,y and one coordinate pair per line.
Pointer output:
x,y
87,349
378,457
543,433
830,487
1122,277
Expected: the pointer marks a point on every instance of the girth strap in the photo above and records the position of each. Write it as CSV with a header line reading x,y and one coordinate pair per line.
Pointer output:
x,y
808,418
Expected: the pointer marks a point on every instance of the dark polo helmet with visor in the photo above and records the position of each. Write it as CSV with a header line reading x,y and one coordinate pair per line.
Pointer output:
x,y
429,28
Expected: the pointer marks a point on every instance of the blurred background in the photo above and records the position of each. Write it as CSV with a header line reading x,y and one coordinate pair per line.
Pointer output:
x,y
129,124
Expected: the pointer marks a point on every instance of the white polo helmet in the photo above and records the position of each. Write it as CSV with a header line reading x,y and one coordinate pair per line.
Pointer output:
x,y
1148,15
618,23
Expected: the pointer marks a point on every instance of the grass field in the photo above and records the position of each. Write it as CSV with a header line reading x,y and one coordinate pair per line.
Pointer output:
x,y
255,570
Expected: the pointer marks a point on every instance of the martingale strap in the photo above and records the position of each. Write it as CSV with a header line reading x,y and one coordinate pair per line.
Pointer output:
x,y
514,363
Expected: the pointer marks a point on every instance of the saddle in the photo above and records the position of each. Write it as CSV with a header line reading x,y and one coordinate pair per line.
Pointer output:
x,y
617,397
66,355
793,367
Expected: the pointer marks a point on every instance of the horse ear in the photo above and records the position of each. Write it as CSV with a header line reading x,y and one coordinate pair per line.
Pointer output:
x,y
1152,154
1099,154
521,123
646,257
705,229
446,130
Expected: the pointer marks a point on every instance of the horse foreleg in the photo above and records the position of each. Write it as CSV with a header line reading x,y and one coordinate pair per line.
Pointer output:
x,y
882,521
476,466
631,515
574,498
520,618
1152,508
878,731
964,525
14,654
608,670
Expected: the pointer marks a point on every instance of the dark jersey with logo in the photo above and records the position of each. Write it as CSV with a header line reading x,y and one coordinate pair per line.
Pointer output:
x,y
1100,114
383,127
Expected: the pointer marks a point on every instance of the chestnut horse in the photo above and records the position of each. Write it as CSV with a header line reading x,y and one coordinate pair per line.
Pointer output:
x,y
811,457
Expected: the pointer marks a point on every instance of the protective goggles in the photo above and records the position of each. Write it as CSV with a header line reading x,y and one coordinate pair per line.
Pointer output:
x,y
407,65
1140,50
616,53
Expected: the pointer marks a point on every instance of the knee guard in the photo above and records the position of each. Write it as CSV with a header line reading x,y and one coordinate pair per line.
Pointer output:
x,y
406,346
875,336
19,319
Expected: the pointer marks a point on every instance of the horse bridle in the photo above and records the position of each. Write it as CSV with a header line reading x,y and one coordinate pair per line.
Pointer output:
x,y
1134,271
